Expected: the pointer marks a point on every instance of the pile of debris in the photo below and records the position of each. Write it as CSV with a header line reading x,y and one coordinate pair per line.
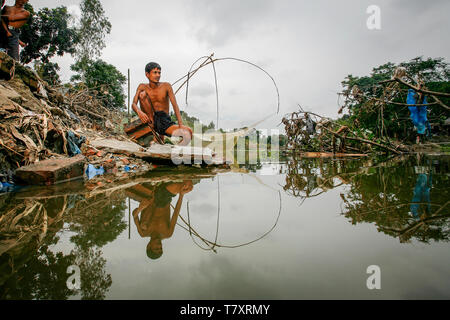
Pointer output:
x,y
369,127
39,122
307,131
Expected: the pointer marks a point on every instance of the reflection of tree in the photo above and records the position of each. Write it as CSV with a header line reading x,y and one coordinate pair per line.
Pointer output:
x,y
42,277
30,270
392,194
95,282
98,221
307,178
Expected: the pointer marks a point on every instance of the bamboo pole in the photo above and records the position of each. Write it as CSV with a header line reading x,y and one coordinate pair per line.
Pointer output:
x,y
129,119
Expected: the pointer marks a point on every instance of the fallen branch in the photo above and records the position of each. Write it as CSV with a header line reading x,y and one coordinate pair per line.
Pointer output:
x,y
440,102
91,113
364,141
434,93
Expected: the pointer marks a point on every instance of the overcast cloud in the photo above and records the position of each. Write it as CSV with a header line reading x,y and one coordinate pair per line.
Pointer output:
x,y
307,46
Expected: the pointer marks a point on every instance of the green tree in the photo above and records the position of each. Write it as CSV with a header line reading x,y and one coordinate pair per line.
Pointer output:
x,y
49,72
47,34
191,120
105,81
94,26
435,73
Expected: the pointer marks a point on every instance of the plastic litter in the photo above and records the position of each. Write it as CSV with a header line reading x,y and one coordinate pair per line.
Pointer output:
x,y
130,168
8,187
92,171
74,143
418,113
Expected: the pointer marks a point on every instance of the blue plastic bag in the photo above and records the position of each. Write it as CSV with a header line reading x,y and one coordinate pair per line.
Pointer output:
x,y
92,171
418,113
74,143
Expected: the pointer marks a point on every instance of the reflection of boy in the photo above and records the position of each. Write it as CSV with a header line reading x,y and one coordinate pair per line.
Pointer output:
x,y
155,221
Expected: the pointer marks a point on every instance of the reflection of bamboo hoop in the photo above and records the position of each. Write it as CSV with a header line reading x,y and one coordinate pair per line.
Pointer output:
x,y
211,245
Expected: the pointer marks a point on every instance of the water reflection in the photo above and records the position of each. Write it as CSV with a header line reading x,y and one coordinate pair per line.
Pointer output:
x,y
394,194
30,226
44,231
33,222
154,209
421,195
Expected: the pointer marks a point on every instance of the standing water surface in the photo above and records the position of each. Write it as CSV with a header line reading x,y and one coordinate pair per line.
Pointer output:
x,y
301,229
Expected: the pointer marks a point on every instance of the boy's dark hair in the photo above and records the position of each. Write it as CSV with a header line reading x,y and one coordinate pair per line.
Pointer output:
x,y
153,255
152,65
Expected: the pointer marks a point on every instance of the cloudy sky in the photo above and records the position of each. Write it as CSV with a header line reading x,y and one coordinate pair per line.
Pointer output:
x,y
308,47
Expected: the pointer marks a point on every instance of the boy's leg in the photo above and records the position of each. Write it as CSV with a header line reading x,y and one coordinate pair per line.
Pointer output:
x,y
13,45
146,107
180,131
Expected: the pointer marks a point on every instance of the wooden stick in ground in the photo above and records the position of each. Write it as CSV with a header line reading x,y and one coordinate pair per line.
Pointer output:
x,y
155,134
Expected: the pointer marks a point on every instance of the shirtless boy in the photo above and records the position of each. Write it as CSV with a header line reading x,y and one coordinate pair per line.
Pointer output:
x,y
13,18
154,100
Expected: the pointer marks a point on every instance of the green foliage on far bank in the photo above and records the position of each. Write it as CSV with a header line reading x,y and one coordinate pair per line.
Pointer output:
x,y
191,120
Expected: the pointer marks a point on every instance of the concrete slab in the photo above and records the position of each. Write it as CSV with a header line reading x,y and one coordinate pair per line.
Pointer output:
x,y
117,146
52,171
177,154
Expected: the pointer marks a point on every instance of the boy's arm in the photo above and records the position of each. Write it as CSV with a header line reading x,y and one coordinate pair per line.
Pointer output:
x,y
5,27
176,212
4,19
136,221
22,15
173,101
142,115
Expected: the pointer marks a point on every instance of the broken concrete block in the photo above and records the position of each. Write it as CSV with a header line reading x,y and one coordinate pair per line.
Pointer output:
x,y
52,171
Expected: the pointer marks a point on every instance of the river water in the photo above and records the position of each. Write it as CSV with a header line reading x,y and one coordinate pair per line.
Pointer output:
x,y
299,229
